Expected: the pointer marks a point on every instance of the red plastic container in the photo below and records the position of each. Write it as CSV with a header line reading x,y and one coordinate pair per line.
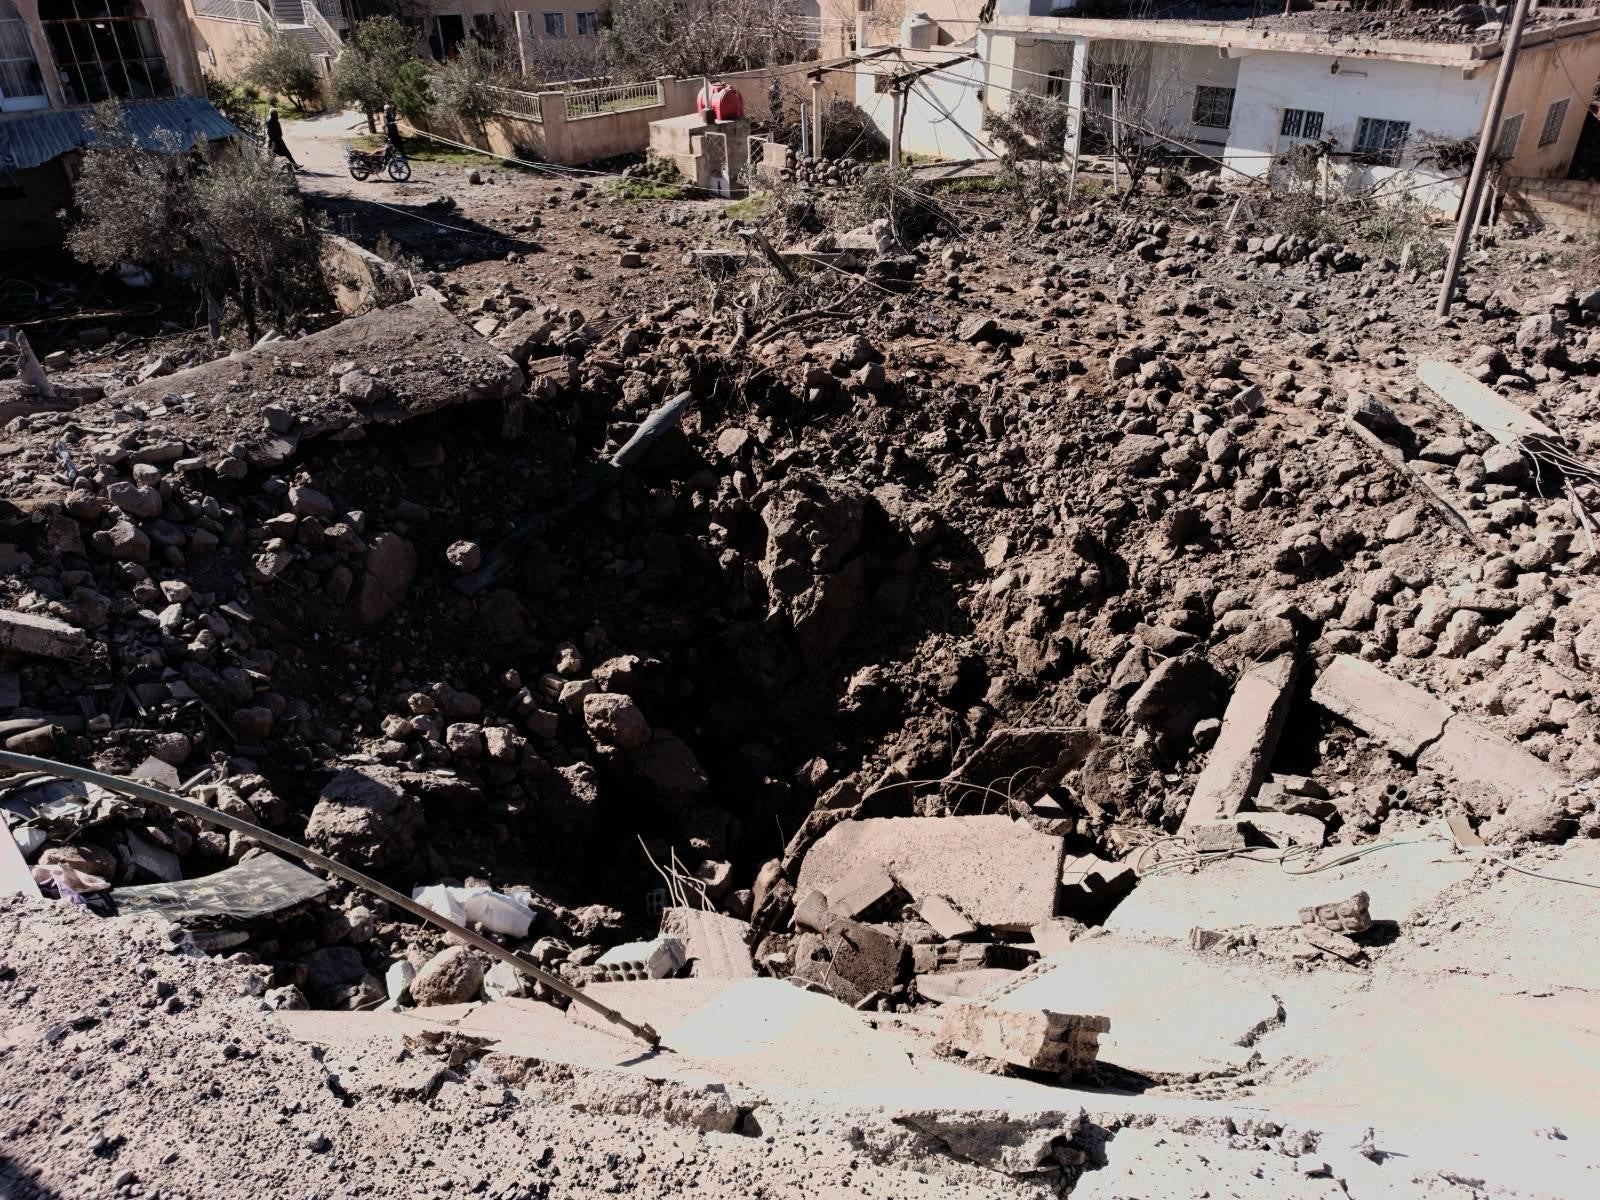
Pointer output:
x,y
724,105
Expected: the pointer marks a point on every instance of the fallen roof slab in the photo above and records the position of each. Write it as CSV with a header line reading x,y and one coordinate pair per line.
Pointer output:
x,y
423,357
997,871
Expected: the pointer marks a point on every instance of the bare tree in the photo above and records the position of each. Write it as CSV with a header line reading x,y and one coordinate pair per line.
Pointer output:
x,y
702,37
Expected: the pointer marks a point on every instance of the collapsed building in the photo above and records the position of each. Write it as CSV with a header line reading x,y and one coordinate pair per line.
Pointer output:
x,y
1048,622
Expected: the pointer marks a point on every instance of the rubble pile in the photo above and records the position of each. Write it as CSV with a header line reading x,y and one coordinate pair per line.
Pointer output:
x,y
907,656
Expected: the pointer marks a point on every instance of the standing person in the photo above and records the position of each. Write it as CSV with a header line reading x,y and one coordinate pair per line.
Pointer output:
x,y
275,141
391,130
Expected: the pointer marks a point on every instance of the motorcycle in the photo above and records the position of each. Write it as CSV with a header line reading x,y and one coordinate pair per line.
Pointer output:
x,y
364,163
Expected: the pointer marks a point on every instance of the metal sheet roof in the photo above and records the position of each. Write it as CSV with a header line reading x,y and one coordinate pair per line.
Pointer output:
x,y
33,139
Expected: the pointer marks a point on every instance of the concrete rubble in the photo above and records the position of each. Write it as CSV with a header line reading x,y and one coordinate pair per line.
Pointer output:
x,y
1089,646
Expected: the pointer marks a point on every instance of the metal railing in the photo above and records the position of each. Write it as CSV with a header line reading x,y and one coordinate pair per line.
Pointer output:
x,y
245,12
326,31
522,105
333,11
600,101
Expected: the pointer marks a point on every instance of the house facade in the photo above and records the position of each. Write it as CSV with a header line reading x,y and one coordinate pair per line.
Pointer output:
x,y
1247,92
57,58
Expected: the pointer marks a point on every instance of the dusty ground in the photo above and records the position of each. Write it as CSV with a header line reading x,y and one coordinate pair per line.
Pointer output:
x,y
1079,448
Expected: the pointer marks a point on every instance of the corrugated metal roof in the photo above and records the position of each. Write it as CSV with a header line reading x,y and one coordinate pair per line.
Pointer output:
x,y
33,139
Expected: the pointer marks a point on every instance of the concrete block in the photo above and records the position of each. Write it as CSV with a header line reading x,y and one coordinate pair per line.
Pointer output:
x,y
997,871
1402,717
952,986
946,919
1212,836
717,946
1037,1039
1283,830
1343,916
641,960
938,957
865,893
1250,727
1091,880
851,961
46,637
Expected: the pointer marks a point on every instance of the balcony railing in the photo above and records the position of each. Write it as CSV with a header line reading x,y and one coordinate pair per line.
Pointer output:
x,y
619,98
245,12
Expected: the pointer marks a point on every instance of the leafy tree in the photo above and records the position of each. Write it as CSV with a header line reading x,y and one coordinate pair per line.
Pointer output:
x,y
410,91
461,85
370,68
233,224
282,65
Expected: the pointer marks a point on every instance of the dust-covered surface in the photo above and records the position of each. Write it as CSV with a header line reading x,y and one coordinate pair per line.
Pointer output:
x,y
987,517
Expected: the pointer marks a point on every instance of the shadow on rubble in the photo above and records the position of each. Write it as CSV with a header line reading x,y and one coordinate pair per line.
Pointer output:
x,y
18,1182
432,229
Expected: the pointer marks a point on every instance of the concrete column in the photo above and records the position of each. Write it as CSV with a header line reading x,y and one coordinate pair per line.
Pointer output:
x,y
176,38
553,117
28,10
897,103
816,116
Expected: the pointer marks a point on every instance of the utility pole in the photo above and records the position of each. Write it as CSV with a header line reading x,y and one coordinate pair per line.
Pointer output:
x,y
816,114
1480,165
897,103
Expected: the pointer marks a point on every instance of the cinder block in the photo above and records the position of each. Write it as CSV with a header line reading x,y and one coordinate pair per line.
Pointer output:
x,y
866,893
1037,1039
640,960
1343,916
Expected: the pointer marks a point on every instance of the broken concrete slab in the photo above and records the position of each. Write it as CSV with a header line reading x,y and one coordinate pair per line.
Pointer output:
x,y
937,957
1243,751
851,961
946,987
1491,412
1038,1039
1174,1011
1241,892
1282,830
1520,793
259,886
1403,717
1091,884
423,358
718,946
39,635
947,920
997,871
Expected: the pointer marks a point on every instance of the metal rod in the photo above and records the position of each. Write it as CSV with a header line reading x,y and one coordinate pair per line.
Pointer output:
x,y
143,791
816,116
1480,165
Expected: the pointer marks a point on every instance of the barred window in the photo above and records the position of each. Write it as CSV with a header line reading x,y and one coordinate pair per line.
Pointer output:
x,y
1510,134
105,50
588,24
1302,123
555,25
1213,107
1554,118
1381,142
21,82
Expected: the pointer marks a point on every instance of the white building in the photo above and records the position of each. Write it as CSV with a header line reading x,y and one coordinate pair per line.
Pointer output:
x,y
1245,91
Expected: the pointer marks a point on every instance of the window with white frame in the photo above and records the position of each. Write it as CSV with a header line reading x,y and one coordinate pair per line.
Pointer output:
x,y
1213,107
555,24
588,24
1554,118
1381,142
1301,123
1505,146
21,82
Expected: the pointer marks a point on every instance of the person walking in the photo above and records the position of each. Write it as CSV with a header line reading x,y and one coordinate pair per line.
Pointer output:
x,y
391,130
275,141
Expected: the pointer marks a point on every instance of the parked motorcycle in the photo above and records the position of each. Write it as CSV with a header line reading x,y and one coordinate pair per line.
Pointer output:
x,y
364,163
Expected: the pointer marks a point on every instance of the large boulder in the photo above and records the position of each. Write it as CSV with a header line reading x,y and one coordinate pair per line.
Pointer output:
x,y
452,976
390,567
367,817
816,581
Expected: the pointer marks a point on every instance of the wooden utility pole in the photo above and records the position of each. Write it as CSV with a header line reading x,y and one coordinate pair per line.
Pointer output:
x,y
1480,165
